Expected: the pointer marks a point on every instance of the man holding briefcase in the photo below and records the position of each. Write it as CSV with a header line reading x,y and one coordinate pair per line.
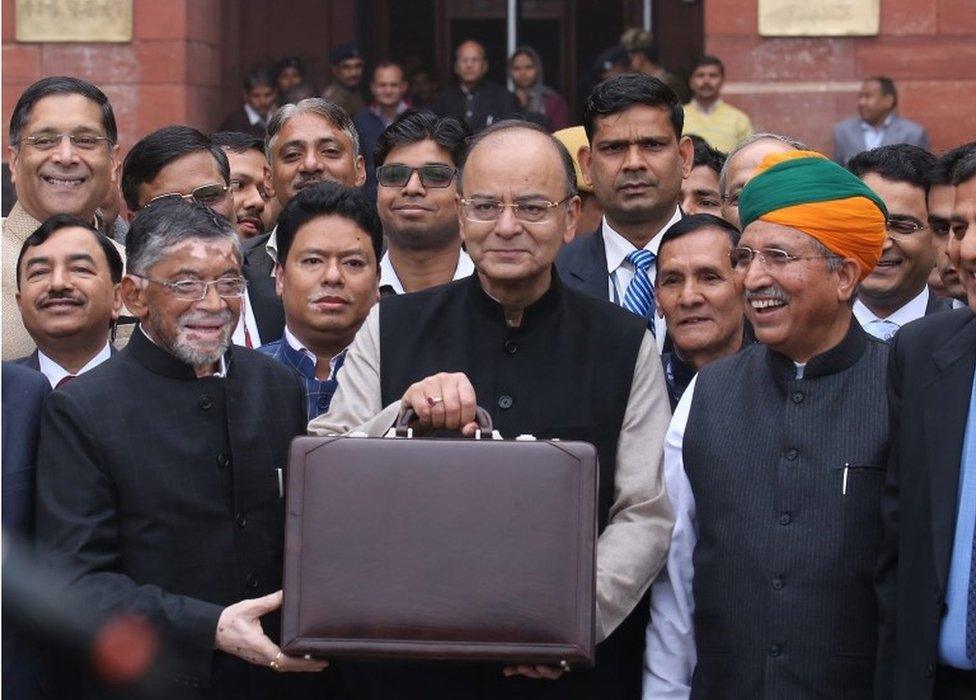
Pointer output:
x,y
545,360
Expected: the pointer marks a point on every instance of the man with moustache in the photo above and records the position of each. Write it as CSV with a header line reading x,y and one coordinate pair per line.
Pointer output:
x,y
418,156
157,486
388,88
179,162
927,573
777,499
63,157
700,296
548,361
345,90
741,164
329,243
707,114
68,277
306,143
636,160
249,180
944,279
897,292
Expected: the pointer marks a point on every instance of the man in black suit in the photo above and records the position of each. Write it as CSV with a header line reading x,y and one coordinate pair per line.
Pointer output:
x,y
160,471
897,292
926,580
68,277
636,160
260,95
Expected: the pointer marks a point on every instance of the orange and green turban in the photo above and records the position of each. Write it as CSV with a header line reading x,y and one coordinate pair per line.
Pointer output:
x,y
806,191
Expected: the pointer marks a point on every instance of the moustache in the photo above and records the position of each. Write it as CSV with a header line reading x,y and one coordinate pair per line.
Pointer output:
x,y
46,299
771,292
306,180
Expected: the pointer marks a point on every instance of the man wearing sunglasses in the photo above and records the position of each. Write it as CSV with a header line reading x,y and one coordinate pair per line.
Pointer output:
x,y
180,163
159,471
417,202
63,160
897,292
775,461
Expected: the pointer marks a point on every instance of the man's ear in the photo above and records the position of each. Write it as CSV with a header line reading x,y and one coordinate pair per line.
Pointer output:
x,y
360,170
279,279
849,277
686,149
133,292
116,301
116,173
12,154
585,158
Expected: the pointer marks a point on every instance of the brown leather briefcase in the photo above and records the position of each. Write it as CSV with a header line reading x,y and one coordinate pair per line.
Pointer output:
x,y
442,548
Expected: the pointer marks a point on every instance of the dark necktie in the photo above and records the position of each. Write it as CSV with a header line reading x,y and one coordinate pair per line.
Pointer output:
x,y
639,297
65,379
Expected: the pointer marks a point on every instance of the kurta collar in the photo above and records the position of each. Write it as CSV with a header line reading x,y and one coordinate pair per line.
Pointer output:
x,y
159,361
491,309
840,357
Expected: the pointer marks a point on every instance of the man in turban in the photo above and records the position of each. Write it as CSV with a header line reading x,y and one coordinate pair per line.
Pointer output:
x,y
774,461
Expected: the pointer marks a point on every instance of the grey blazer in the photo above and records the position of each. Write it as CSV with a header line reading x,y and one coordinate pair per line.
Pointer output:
x,y
849,136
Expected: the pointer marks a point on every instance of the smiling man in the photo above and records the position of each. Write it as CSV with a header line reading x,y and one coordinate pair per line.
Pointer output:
x,y
896,292
548,361
944,278
250,178
636,159
418,156
700,296
329,242
63,160
68,277
777,495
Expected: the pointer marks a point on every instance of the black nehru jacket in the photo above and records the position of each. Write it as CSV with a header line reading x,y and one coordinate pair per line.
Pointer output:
x,y
565,373
159,491
785,559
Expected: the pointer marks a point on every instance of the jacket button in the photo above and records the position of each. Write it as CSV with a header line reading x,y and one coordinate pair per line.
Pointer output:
x,y
251,580
792,454
797,397
774,650
777,583
205,402
510,347
241,520
505,401
785,519
223,461
322,403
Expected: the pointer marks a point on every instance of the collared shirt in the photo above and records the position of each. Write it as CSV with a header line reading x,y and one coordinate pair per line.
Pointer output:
x,y
390,281
253,116
246,321
290,351
952,636
959,304
221,363
723,126
271,247
911,311
55,372
874,135
621,271
400,109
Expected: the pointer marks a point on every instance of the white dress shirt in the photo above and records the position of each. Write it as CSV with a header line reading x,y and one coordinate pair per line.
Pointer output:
x,y
55,372
911,311
246,320
388,275
622,272
253,116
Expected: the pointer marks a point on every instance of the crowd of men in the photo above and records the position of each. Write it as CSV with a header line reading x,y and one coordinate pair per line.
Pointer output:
x,y
773,354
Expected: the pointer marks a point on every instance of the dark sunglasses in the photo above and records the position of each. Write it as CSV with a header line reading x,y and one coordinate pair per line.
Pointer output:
x,y
430,175
207,195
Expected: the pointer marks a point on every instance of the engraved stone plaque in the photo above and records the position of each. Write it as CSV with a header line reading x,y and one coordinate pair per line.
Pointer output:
x,y
819,18
73,20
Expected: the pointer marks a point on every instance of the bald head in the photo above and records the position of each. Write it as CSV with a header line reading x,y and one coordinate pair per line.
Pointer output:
x,y
470,63
741,165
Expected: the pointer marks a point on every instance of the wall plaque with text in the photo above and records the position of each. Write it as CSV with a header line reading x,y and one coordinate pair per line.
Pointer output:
x,y
73,20
819,18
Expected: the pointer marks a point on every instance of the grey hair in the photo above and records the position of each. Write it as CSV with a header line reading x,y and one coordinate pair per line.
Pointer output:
x,y
569,170
834,262
163,225
330,111
764,136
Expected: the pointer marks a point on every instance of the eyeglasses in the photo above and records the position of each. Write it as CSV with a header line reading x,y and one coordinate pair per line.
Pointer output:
x,y
533,211
207,195
83,142
195,290
903,227
438,176
771,258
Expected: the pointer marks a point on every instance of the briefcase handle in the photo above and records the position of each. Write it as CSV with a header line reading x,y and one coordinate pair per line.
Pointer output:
x,y
402,427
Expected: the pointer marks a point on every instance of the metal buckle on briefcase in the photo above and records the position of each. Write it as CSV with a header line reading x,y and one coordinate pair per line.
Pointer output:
x,y
402,427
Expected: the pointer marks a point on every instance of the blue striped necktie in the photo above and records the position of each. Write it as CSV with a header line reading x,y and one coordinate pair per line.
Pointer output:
x,y
639,298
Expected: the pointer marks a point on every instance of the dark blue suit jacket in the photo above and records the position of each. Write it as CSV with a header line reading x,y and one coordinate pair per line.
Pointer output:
x,y
582,265
23,395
